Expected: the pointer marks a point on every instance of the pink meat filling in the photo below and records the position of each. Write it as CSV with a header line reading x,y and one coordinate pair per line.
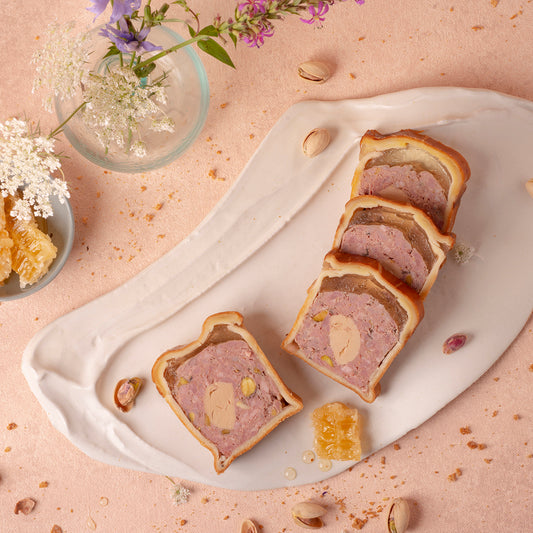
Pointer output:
x,y
421,188
379,333
227,362
389,246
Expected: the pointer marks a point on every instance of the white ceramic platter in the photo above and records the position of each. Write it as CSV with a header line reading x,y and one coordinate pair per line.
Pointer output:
x,y
73,364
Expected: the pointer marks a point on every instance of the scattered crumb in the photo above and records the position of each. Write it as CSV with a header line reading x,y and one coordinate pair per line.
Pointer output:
x,y
481,446
477,28
488,461
465,431
204,500
531,367
226,517
143,188
472,445
43,484
158,206
352,75
358,523
396,446
455,475
56,529
494,3
7,449
252,136
183,522
222,106
516,417
11,426
495,413
149,217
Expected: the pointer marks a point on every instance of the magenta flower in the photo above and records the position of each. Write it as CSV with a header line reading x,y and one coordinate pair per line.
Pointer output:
x,y
252,7
317,13
255,35
128,41
121,8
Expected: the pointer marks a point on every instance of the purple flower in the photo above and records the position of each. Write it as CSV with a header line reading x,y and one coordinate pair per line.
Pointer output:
x,y
252,7
316,13
121,8
128,41
255,35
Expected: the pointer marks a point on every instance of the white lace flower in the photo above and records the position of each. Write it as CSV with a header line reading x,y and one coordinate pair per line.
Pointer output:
x,y
27,161
117,106
179,493
61,64
463,252
163,124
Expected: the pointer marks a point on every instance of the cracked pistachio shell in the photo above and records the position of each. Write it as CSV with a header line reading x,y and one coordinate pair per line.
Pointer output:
x,y
398,517
314,71
308,515
126,391
316,141
529,187
249,527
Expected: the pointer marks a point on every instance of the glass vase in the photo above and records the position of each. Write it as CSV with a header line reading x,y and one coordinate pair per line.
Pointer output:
x,y
187,90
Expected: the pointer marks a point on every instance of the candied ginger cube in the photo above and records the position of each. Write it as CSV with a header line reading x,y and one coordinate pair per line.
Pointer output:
x,y
337,432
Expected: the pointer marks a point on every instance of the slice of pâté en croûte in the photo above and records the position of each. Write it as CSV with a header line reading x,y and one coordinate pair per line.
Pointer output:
x,y
401,237
411,167
354,322
223,388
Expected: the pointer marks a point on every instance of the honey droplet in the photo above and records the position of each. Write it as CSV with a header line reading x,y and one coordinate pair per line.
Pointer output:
x,y
308,456
324,465
290,473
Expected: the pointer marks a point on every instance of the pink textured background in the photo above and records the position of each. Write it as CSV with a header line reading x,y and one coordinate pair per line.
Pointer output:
x,y
380,47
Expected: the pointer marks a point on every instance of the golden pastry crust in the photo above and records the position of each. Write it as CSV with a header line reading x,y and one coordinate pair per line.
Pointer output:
x,y
422,151
219,328
336,266
402,215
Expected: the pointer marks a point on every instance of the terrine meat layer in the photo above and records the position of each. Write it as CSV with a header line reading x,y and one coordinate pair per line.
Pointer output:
x,y
209,388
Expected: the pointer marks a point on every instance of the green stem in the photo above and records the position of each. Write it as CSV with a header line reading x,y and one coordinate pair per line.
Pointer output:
x,y
60,127
170,50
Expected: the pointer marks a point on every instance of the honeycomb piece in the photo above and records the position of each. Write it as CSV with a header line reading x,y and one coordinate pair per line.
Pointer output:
x,y
32,252
337,432
5,246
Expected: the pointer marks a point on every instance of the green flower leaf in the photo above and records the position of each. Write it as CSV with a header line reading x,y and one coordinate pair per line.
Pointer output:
x,y
209,30
211,47
143,72
112,51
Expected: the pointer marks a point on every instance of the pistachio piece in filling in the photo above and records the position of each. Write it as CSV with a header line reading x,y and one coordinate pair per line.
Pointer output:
x,y
219,405
344,338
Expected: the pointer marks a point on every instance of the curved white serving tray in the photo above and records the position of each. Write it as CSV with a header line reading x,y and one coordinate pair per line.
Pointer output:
x,y
73,364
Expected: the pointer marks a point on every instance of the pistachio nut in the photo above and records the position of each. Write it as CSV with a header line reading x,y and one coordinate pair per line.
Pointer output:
x,y
314,71
529,187
308,515
126,391
249,527
248,386
315,142
398,517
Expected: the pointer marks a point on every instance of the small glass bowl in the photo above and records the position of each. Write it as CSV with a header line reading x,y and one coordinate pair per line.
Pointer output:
x,y
60,227
187,88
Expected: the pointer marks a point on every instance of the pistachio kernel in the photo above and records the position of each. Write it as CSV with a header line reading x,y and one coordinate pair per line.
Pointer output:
x,y
327,360
319,317
248,386
453,343
125,393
